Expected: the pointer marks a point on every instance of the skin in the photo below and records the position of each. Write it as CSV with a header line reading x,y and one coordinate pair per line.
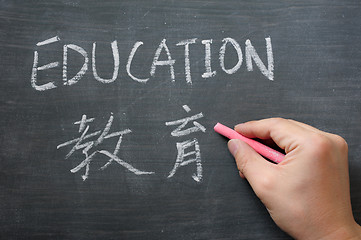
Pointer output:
x,y
307,195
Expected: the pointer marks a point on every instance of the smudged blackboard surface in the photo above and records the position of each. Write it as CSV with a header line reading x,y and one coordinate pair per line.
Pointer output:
x,y
316,53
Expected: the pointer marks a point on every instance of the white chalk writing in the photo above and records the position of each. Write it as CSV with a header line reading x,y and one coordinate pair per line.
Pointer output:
x,y
83,69
34,72
222,52
187,64
157,62
185,145
115,52
250,56
129,63
88,146
48,41
207,59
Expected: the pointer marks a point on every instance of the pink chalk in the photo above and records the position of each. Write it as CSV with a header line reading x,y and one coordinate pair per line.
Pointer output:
x,y
262,149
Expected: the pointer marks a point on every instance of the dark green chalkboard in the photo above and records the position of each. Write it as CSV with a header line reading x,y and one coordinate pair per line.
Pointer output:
x,y
157,62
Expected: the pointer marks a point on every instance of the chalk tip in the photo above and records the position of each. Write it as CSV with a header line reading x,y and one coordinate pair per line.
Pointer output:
x,y
217,126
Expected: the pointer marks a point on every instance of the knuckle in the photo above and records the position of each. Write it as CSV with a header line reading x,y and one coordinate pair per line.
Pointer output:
x,y
327,149
278,120
266,182
320,145
340,143
264,185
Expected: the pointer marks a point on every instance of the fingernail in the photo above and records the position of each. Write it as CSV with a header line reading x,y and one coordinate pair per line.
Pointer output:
x,y
238,126
233,146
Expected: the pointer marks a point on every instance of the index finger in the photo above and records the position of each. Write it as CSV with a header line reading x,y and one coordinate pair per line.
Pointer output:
x,y
285,133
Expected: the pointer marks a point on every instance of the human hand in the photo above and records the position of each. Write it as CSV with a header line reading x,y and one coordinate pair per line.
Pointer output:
x,y
307,194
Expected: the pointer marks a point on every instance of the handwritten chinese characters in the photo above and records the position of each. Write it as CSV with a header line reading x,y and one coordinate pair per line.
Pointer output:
x,y
87,147
251,56
190,143
90,144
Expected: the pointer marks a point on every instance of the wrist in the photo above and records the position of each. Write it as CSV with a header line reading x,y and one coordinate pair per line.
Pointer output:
x,y
347,232
350,231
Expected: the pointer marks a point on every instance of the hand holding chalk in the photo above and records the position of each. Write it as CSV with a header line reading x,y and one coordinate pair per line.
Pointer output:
x,y
307,194
264,150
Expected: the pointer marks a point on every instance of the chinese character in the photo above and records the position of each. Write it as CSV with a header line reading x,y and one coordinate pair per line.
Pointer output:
x,y
194,155
88,147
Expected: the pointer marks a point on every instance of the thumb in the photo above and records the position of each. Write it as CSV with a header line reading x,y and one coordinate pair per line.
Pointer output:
x,y
250,164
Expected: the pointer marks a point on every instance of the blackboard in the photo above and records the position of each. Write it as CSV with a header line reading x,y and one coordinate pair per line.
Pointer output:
x,y
94,95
